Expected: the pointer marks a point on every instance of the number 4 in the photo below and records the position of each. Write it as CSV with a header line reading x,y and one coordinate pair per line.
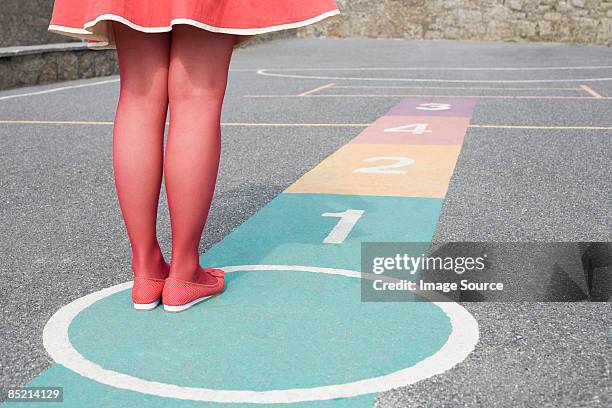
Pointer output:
x,y
414,128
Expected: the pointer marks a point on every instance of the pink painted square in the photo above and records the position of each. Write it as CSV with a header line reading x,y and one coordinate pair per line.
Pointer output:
x,y
433,107
415,130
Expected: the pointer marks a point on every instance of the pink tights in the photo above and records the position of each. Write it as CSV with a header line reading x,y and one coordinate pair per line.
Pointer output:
x,y
186,71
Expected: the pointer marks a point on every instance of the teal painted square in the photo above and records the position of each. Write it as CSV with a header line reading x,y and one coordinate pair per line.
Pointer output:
x,y
290,230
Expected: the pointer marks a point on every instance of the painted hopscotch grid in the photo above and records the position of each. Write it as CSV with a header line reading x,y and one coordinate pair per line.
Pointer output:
x,y
312,324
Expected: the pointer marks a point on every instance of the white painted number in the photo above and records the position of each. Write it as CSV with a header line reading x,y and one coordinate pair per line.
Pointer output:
x,y
434,106
401,162
414,128
348,219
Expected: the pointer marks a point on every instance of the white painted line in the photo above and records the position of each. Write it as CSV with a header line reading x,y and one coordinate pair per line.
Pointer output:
x,y
587,67
429,96
469,88
61,88
265,72
317,89
460,343
109,81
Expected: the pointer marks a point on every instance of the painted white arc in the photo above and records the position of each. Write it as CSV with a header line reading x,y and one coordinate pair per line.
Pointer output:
x,y
459,345
58,89
267,72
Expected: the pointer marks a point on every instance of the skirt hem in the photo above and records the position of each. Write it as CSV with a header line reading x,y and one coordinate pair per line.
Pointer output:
x,y
100,37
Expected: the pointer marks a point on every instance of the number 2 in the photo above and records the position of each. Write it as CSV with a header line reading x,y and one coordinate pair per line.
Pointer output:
x,y
401,162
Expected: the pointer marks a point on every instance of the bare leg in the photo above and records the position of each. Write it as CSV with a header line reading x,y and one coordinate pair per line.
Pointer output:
x,y
138,138
197,79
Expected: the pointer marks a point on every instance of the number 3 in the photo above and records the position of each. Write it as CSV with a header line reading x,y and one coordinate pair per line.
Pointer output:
x,y
434,106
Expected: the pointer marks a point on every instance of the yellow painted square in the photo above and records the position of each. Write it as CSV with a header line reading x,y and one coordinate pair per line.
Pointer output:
x,y
382,170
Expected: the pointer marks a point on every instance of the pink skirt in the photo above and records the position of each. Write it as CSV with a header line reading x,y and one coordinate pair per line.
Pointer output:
x,y
90,19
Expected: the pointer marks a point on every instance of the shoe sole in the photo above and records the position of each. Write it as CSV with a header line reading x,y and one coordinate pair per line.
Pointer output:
x,y
146,306
180,308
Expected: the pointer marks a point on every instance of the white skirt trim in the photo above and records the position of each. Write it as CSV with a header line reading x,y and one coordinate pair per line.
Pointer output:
x,y
92,31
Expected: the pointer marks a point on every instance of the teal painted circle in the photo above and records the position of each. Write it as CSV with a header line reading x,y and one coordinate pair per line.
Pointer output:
x,y
268,330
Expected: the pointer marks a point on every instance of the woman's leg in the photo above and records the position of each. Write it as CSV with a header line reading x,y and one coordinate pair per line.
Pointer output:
x,y
197,79
138,140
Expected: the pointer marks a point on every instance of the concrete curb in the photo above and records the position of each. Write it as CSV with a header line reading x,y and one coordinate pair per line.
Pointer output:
x,y
41,49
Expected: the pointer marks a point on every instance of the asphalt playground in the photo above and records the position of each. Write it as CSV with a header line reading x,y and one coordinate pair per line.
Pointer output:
x,y
310,170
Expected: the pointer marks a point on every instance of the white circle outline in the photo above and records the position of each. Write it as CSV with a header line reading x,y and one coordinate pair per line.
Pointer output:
x,y
460,343
278,73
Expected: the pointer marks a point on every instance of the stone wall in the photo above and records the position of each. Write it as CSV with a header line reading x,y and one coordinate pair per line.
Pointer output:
x,y
573,21
25,22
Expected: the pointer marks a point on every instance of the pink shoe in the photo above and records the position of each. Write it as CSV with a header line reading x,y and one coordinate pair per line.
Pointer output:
x,y
147,292
180,295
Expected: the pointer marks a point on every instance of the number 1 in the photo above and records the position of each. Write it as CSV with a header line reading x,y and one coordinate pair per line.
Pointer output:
x,y
343,228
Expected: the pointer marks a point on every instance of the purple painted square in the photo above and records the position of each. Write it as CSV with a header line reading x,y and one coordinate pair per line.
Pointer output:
x,y
433,107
